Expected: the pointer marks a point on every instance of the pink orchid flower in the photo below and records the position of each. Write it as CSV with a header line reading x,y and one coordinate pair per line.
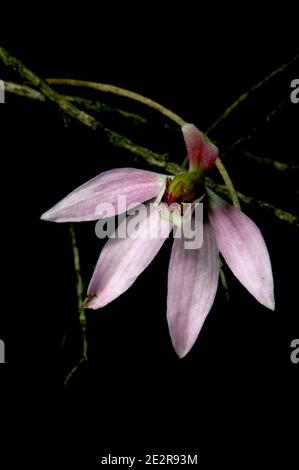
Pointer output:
x,y
193,274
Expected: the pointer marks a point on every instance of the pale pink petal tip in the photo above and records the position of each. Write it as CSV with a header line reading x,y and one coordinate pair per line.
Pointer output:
x,y
244,249
192,286
201,151
106,195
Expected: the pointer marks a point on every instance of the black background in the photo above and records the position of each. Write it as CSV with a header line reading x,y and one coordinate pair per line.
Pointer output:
x,y
232,398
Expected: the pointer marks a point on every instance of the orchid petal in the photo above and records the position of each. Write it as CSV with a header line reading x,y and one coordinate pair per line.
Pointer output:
x,y
192,285
106,195
202,153
122,260
243,248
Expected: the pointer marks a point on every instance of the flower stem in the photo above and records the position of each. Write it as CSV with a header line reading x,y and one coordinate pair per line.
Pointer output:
x,y
81,311
98,106
115,90
158,160
90,121
106,88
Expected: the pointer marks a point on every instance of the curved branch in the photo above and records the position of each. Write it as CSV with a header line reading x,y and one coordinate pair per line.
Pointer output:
x,y
251,201
228,183
156,160
151,158
245,95
115,90
106,88
89,105
90,121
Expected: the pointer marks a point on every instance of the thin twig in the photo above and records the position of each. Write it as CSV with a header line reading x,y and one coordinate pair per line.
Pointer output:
x,y
279,213
114,138
24,91
107,88
73,371
251,201
224,281
81,311
228,183
97,106
151,158
90,121
268,162
47,91
253,130
79,288
156,160
245,95
103,87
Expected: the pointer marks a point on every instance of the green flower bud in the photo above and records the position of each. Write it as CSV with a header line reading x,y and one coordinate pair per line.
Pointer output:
x,y
186,187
